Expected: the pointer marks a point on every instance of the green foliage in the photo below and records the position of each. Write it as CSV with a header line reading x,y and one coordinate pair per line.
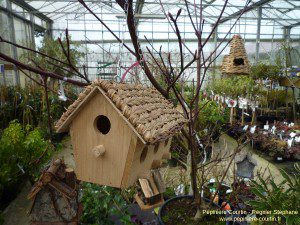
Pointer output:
x,y
99,202
278,97
242,86
53,49
27,105
212,114
19,149
283,196
287,55
169,193
211,117
265,71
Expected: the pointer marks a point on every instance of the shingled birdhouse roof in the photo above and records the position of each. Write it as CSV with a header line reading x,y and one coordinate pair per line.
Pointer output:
x,y
236,63
144,109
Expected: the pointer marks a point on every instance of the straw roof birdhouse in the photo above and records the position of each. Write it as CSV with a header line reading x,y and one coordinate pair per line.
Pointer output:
x,y
119,132
236,63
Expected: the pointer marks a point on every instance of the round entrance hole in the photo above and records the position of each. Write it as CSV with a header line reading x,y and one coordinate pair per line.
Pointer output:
x,y
102,124
144,154
238,61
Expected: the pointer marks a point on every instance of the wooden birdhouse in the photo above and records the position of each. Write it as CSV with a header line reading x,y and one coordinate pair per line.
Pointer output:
x,y
236,63
119,132
55,196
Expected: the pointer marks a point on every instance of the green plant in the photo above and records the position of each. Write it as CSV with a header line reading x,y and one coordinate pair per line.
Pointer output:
x,y
212,116
22,154
274,98
265,71
26,105
100,202
235,86
284,196
287,55
52,48
169,193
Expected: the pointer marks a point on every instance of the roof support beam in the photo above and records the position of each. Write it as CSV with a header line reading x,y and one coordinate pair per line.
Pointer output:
x,y
29,8
138,10
6,10
175,40
293,25
12,36
259,13
247,9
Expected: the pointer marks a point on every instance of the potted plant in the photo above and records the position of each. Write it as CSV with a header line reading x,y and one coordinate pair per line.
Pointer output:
x,y
184,208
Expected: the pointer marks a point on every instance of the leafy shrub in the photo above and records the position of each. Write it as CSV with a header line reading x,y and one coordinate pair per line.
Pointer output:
x,y
27,105
265,71
52,48
275,98
235,86
283,196
101,202
212,116
21,152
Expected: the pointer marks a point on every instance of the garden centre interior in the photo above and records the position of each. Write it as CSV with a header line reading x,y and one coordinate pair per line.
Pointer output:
x,y
149,112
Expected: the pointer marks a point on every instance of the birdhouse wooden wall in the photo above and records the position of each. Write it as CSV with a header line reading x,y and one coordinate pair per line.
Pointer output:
x,y
145,158
106,150
236,63
104,168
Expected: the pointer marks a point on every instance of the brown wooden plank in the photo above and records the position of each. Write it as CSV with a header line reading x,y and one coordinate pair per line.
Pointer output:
x,y
147,207
129,160
153,186
146,188
158,181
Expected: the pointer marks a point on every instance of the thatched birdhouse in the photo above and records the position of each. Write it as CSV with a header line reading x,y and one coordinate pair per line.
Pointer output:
x,y
119,132
245,166
236,63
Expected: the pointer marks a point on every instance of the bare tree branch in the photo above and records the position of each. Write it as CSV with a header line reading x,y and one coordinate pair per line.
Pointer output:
x,y
41,72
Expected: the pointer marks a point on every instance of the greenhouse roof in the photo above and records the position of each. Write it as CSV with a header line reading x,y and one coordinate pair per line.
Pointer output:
x,y
283,12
